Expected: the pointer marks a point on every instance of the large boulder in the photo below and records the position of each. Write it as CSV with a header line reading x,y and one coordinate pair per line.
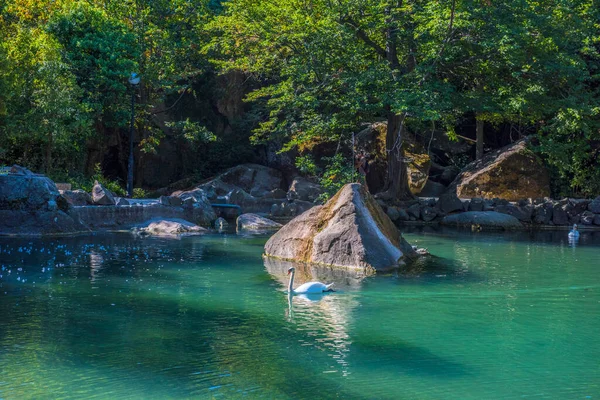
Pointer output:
x,y
26,191
482,219
303,189
31,204
169,227
256,180
350,230
102,196
77,197
511,173
253,222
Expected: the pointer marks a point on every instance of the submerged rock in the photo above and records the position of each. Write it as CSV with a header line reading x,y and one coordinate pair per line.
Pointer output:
x,y
350,230
169,227
254,222
483,219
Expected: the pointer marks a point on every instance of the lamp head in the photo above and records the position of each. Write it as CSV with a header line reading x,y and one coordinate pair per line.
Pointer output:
x,y
134,79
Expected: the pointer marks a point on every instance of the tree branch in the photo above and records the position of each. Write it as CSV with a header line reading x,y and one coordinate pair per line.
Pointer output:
x,y
172,105
364,37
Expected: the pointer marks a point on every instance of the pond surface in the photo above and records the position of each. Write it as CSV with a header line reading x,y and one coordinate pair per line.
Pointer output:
x,y
110,316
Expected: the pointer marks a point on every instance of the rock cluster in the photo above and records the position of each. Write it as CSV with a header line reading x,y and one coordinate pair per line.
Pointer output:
x,y
256,188
542,211
30,204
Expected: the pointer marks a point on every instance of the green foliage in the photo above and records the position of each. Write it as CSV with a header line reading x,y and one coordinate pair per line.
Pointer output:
x,y
306,165
338,172
139,193
192,131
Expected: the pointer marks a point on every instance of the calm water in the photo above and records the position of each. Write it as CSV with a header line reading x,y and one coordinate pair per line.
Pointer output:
x,y
113,316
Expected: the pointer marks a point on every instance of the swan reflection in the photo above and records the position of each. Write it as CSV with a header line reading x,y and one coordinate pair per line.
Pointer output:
x,y
326,318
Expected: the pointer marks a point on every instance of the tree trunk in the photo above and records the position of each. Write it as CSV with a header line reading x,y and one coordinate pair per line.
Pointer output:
x,y
48,157
397,174
479,137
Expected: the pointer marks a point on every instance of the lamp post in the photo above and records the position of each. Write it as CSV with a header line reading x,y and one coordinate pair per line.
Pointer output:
x,y
134,80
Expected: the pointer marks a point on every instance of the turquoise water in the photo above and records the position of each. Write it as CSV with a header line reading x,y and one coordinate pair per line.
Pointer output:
x,y
490,316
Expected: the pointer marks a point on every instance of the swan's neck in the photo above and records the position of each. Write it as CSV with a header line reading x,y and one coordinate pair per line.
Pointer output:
x,y
291,284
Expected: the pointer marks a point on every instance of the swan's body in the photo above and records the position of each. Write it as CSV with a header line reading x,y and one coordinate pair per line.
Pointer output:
x,y
574,234
308,287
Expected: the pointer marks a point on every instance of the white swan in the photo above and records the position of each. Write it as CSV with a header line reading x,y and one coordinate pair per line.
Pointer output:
x,y
574,234
308,287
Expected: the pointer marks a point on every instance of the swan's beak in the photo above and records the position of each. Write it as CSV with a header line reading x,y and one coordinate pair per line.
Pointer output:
x,y
289,272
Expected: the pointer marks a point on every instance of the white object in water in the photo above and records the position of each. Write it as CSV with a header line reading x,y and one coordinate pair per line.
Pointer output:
x,y
308,287
574,234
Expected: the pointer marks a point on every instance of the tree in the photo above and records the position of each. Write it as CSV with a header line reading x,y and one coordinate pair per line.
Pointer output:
x,y
330,65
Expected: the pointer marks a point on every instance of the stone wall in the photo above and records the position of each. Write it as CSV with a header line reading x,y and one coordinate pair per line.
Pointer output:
x,y
544,212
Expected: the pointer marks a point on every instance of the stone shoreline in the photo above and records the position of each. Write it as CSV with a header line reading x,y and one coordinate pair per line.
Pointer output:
x,y
543,213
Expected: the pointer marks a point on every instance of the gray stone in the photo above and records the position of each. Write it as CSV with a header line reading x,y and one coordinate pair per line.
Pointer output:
x,y
577,206
254,222
587,218
122,201
542,213
559,215
303,189
574,219
594,205
52,205
414,211
432,189
18,170
596,219
523,214
169,227
164,200
102,196
393,213
483,219
77,197
221,223
489,205
175,201
476,204
350,230
189,202
402,215
428,214
448,203
276,210
26,192
276,194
